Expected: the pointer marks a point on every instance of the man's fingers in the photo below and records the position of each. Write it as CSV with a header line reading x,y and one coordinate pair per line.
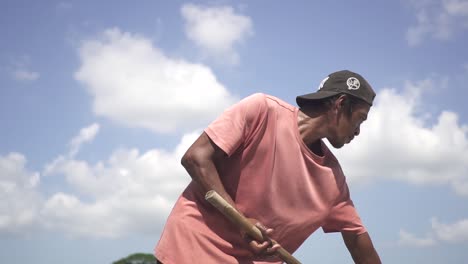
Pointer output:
x,y
266,248
259,247
265,230
261,226
273,249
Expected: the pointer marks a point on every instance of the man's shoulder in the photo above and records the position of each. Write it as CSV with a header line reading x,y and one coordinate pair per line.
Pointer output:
x,y
272,101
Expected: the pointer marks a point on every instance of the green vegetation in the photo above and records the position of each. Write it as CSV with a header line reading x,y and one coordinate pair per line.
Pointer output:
x,y
137,258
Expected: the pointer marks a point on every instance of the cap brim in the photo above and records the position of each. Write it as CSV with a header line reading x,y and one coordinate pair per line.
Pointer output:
x,y
307,98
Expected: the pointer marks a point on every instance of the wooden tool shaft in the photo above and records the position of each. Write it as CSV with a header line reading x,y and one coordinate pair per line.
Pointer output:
x,y
234,216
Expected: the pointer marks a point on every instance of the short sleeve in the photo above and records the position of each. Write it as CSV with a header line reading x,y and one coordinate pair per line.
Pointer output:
x,y
344,216
234,127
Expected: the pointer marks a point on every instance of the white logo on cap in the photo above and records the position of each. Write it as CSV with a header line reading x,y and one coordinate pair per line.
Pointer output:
x,y
353,83
323,82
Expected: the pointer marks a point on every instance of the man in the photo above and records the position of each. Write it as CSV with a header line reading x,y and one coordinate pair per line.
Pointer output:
x,y
267,159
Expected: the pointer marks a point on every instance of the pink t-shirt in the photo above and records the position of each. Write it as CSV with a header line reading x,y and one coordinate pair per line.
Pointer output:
x,y
272,176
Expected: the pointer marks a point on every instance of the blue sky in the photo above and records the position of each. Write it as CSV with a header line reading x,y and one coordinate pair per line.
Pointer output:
x,y
99,100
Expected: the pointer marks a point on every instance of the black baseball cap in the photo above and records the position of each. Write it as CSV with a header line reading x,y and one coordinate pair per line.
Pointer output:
x,y
340,82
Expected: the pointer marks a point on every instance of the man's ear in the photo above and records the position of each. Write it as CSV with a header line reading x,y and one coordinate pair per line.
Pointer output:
x,y
341,102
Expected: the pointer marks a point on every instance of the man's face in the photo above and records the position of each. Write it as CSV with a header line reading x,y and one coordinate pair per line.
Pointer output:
x,y
348,126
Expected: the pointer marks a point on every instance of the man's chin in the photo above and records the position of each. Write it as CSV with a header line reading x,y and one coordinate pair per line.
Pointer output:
x,y
337,145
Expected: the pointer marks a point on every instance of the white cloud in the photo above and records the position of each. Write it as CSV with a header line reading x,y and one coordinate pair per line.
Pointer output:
x,y
439,19
455,232
25,75
440,233
216,29
398,142
408,239
456,7
19,199
86,134
61,6
134,83
20,69
128,193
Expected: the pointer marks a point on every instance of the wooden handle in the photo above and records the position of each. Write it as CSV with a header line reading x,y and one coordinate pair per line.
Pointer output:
x,y
234,216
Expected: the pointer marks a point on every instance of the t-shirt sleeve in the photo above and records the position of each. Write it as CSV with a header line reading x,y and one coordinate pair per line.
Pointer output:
x,y
344,216
238,123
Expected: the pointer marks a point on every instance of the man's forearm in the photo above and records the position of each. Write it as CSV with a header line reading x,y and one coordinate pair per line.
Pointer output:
x,y
370,257
361,248
207,178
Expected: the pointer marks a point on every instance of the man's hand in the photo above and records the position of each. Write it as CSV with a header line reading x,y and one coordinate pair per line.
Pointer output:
x,y
261,248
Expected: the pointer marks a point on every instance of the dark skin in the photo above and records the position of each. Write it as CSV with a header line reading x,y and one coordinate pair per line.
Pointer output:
x,y
336,123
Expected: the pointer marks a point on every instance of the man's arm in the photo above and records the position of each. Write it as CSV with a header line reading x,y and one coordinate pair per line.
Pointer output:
x,y
200,162
361,248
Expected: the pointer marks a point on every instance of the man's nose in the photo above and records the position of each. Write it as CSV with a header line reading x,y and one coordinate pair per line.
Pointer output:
x,y
357,131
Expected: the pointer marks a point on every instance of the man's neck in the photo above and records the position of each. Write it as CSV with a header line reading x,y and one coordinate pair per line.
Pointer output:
x,y
312,128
